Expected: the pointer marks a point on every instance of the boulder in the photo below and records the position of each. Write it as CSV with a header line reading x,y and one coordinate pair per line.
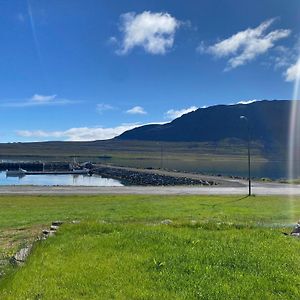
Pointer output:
x,y
57,223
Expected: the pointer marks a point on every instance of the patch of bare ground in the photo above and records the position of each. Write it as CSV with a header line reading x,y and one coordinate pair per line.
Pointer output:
x,y
13,239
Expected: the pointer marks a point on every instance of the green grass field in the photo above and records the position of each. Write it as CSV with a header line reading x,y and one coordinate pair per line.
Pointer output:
x,y
216,247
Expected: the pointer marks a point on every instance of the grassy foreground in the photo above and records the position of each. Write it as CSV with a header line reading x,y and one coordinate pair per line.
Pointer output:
x,y
216,248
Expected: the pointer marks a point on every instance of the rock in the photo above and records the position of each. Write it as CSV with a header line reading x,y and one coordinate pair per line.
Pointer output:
x,y
295,233
166,222
53,227
21,255
52,232
296,230
57,223
145,179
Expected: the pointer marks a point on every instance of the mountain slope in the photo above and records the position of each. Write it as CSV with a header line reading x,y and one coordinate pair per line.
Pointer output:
x,y
268,120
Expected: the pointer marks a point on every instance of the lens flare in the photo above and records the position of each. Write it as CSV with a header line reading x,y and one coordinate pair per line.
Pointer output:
x,y
294,135
32,25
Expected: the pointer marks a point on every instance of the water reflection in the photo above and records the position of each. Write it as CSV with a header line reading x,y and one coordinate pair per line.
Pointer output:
x,y
52,180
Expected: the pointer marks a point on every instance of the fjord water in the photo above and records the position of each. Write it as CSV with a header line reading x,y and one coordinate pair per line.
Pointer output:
x,y
53,180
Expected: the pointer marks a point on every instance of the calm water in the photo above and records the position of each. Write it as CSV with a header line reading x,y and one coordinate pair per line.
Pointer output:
x,y
76,180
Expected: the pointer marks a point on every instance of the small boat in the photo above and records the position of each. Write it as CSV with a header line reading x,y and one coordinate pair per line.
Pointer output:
x,y
16,173
80,171
22,172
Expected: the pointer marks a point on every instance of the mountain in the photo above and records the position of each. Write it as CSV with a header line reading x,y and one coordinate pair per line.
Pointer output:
x,y
268,123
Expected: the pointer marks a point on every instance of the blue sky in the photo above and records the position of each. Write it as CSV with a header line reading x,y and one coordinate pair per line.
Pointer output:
x,y
90,69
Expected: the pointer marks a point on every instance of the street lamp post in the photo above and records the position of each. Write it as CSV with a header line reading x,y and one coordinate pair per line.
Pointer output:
x,y
249,164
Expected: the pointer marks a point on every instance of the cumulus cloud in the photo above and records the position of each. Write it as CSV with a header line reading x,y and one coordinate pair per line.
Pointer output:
x,y
38,100
154,32
76,134
246,45
101,107
136,110
247,101
293,72
173,113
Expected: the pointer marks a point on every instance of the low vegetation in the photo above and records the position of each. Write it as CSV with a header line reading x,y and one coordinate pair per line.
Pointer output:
x,y
227,157
152,247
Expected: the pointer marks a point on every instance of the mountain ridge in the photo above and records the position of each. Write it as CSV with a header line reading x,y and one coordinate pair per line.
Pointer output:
x,y
268,121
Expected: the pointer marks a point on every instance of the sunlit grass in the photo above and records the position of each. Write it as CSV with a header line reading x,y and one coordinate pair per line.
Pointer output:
x,y
215,248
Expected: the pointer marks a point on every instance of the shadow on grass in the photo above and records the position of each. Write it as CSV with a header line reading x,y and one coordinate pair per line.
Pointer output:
x,y
224,202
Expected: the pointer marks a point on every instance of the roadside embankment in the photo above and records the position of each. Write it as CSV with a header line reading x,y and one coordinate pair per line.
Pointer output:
x,y
138,177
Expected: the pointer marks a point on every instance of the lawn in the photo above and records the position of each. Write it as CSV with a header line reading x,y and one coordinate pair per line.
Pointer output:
x,y
227,247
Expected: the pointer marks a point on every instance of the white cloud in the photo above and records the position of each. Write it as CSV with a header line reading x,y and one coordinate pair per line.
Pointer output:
x,y
38,100
136,110
173,114
246,45
101,107
80,133
77,134
42,98
287,59
284,57
247,101
293,72
152,31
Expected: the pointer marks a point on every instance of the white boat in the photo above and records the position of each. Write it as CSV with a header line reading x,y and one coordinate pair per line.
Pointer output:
x,y
22,172
80,171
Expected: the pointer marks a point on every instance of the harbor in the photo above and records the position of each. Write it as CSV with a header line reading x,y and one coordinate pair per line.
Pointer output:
x,y
50,173
58,179
23,168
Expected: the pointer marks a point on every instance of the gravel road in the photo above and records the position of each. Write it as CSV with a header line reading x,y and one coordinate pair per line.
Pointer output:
x,y
225,186
258,189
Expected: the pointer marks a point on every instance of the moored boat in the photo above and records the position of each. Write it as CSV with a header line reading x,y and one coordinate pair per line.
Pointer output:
x,y
22,172
16,173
